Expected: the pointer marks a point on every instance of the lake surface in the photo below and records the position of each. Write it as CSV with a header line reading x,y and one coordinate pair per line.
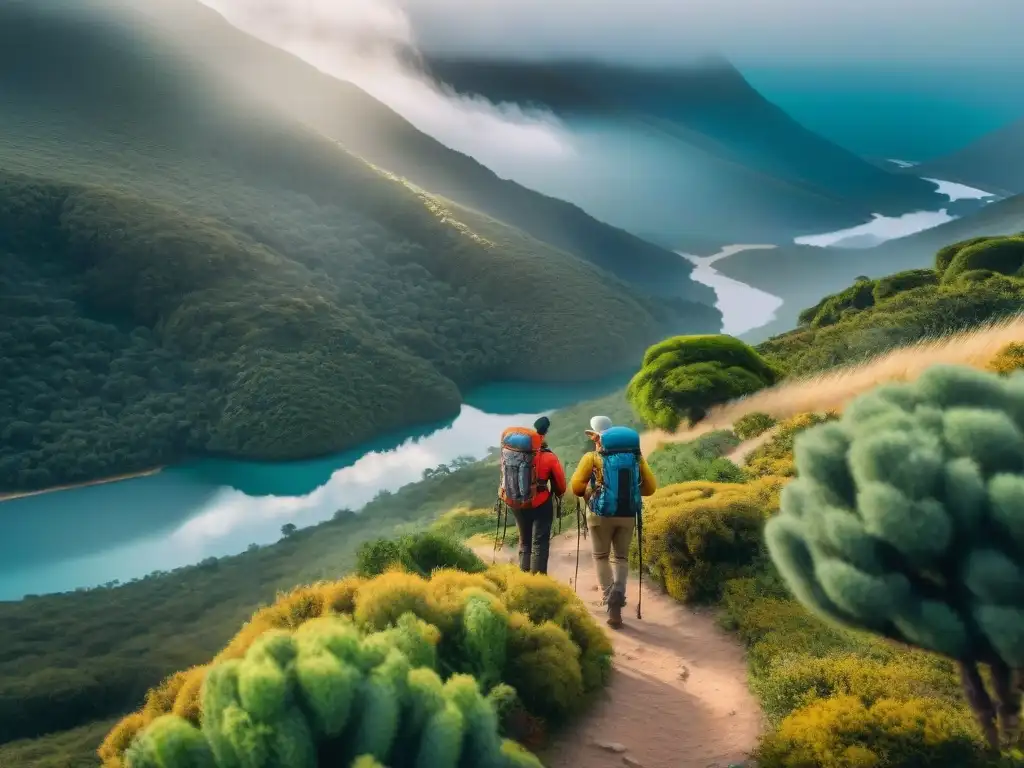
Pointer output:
x,y
83,537
882,228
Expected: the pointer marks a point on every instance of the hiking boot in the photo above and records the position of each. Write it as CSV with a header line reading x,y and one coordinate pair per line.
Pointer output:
x,y
615,602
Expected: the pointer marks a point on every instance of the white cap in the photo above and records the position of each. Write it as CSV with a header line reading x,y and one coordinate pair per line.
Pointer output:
x,y
599,424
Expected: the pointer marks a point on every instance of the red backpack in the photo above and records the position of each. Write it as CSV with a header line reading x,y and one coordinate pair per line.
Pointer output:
x,y
520,447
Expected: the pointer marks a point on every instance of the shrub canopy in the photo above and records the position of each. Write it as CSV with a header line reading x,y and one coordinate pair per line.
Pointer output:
x,y
907,519
684,376
698,535
506,628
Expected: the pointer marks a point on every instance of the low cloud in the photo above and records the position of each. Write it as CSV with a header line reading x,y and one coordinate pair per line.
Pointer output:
x,y
666,31
365,42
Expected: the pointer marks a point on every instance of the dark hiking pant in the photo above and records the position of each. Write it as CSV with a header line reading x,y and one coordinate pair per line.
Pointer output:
x,y
534,536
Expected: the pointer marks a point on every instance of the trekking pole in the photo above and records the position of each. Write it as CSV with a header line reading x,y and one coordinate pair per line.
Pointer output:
x,y
640,551
557,507
497,516
504,531
576,576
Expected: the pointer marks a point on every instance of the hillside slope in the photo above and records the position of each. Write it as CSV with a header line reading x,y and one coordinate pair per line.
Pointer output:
x,y
994,163
800,274
776,181
186,271
367,127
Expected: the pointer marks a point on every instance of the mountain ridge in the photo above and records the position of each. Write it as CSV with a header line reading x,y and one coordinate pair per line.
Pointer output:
x,y
993,163
710,107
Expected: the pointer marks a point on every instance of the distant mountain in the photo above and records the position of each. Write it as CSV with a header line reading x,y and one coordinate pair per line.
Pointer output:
x,y
798,274
697,147
994,163
185,270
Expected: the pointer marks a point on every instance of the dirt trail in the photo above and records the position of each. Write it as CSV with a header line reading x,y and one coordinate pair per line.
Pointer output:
x,y
677,697
739,454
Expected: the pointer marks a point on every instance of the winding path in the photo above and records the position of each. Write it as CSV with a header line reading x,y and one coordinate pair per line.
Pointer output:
x,y
677,697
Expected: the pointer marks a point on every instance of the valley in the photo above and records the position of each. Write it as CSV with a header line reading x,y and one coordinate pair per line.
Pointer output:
x,y
263,320
117,532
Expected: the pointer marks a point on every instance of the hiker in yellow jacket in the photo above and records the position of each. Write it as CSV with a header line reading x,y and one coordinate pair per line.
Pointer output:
x,y
611,518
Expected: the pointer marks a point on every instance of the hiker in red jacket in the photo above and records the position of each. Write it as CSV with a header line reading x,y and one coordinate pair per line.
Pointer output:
x,y
535,518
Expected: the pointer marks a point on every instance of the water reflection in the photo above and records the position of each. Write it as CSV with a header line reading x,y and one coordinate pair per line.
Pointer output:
x,y
882,228
120,531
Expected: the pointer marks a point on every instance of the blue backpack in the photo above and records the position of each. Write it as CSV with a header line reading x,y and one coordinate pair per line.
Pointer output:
x,y
618,494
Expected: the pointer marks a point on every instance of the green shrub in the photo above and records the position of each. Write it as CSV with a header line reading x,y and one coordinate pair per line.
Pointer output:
x,y
325,695
793,681
945,255
1009,359
886,287
907,520
904,318
753,424
503,626
419,553
375,557
842,732
773,626
682,377
724,471
700,459
799,664
775,457
1003,255
829,310
699,535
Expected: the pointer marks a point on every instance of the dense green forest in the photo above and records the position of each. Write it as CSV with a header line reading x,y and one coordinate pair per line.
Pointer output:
x,y
133,333
184,271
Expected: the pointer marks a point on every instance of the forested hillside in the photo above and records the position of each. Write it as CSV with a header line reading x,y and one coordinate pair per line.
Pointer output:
x,y
799,274
190,30
185,272
969,283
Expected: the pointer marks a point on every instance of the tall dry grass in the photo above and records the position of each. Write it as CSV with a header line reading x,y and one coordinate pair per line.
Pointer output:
x,y
830,391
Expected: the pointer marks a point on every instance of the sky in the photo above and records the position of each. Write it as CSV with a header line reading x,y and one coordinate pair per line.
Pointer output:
x,y
771,39
333,36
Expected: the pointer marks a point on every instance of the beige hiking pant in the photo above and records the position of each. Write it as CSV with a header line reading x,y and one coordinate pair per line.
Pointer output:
x,y
611,536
